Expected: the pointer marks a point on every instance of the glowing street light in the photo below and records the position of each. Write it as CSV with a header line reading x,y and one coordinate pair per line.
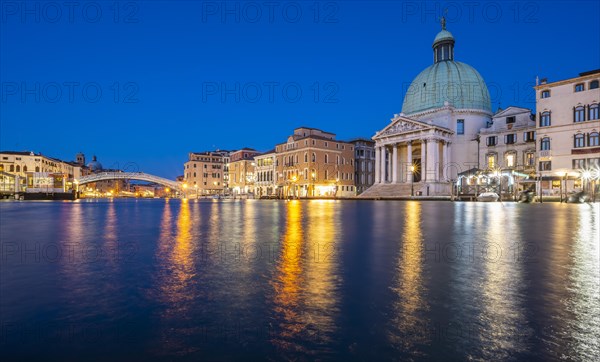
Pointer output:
x,y
412,180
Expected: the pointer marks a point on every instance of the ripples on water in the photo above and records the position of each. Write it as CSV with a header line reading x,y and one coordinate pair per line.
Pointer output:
x,y
299,280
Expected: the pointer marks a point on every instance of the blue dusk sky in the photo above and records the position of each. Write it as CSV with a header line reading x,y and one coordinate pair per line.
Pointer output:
x,y
146,82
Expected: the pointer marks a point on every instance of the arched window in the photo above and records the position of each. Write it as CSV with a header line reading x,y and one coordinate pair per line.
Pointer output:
x,y
305,157
545,144
296,158
326,158
593,112
337,159
594,139
594,84
37,168
24,168
18,168
314,157
12,168
579,114
579,140
545,120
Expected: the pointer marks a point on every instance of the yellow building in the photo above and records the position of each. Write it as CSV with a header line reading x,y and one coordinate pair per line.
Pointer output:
x,y
312,163
241,171
205,172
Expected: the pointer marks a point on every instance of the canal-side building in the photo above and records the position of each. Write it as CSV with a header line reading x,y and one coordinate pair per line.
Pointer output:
x,y
364,164
204,172
264,184
312,163
424,148
507,155
27,167
241,171
568,126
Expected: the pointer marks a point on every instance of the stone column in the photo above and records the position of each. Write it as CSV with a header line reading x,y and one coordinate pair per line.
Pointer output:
x,y
409,161
377,165
382,168
423,161
395,164
433,150
445,161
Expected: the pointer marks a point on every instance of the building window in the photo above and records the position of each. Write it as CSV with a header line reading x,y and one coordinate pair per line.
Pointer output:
x,y
529,158
593,112
594,163
529,136
545,165
491,160
545,144
545,119
509,139
579,140
492,140
314,157
594,84
579,87
578,114
593,139
579,164
510,120
510,159
460,126
545,94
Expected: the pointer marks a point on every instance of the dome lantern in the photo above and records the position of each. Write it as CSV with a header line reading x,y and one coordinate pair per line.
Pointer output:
x,y
443,44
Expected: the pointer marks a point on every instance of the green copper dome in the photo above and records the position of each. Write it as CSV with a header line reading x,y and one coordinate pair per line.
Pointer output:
x,y
446,80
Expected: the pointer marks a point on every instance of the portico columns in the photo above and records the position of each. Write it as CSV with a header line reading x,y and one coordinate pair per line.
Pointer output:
x,y
423,161
409,162
395,164
433,153
446,161
377,165
382,159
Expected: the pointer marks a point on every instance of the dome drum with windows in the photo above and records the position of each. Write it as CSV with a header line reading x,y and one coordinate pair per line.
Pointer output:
x,y
446,81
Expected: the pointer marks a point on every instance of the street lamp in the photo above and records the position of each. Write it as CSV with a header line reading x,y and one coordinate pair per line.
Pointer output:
x,y
412,180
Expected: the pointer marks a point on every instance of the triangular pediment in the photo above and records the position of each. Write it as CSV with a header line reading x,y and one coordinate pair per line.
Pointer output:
x,y
512,110
401,125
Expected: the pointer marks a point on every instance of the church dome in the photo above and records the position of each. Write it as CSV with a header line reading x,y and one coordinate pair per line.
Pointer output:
x,y
447,80
95,166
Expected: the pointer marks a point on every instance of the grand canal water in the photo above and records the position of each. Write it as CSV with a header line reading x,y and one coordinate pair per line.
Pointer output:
x,y
299,280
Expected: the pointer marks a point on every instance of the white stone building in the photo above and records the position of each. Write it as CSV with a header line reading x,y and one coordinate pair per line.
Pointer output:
x,y
434,139
264,174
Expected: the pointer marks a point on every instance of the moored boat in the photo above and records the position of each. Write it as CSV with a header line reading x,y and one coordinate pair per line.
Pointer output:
x,y
488,197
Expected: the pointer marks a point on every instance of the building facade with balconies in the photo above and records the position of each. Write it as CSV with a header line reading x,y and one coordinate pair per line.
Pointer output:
x,y
312,163
204,172
568,126
364,164
264,184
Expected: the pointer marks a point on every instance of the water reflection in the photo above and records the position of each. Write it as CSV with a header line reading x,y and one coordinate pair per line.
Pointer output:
x,y
503,328
409,328
306,282
177,270
584,284
287,281
322,278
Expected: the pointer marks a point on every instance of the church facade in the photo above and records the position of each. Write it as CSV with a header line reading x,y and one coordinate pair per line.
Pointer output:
x,y
435,138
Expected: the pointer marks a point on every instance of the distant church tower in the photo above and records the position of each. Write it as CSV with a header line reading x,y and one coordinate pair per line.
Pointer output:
x,y
80,158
